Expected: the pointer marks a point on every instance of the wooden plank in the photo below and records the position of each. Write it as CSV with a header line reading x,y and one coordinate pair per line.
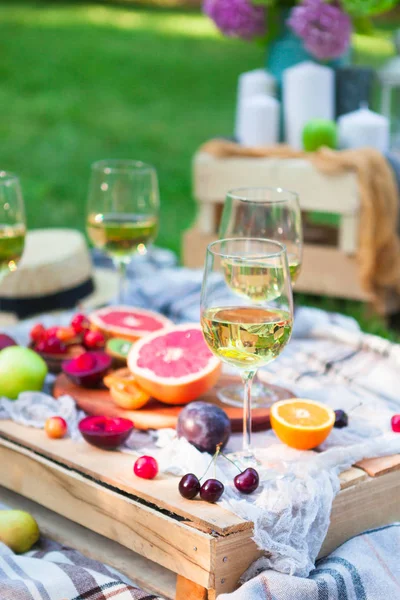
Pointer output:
x,y
351,477
144,530
187,590
380,466
144,573
348,233
115,469
371,503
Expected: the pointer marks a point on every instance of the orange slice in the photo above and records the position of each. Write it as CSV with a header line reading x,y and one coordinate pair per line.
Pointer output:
x,y
120,376
124,390
301,424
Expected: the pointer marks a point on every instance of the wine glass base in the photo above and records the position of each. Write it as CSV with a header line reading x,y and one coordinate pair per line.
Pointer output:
x,y
262,396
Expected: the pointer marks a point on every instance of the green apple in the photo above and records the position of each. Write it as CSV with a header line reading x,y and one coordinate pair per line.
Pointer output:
x,y
21,370
319,132
18,530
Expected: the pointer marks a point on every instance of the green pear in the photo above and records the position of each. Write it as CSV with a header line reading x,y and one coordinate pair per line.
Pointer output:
x,y
18,530
21,370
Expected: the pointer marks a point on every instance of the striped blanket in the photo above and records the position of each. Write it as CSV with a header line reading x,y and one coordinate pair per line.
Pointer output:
x,y
53,572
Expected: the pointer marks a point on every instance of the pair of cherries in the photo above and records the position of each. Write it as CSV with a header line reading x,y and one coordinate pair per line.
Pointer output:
x,y
211,490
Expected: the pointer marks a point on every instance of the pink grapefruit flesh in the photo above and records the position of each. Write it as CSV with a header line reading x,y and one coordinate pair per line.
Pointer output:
x,y
127,322
175,366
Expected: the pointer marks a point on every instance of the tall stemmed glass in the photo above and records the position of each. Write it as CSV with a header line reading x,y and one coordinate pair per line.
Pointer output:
x,y
246,309
122,210
12,223
263,212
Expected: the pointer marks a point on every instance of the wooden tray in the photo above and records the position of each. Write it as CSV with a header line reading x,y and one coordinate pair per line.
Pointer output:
x,y
157,415
206,546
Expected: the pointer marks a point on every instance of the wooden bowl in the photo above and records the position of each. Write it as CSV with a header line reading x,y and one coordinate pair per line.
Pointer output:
x,y
54,361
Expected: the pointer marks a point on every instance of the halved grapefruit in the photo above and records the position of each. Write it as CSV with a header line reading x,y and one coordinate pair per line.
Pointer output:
x,y
127,322
175,366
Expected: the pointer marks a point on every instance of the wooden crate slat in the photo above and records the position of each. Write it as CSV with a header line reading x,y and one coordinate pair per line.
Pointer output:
x,y
114,468
351,477
143,572
380,466
142,529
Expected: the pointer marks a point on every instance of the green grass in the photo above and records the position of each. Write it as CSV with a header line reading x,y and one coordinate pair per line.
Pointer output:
x,y
80,82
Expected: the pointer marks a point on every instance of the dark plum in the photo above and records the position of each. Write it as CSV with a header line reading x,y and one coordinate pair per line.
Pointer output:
x,y
105,432
341,419
87,369
189,486
211,490
247,481
204,425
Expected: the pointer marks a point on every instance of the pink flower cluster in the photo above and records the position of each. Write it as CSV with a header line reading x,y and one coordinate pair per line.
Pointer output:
x,y
237,18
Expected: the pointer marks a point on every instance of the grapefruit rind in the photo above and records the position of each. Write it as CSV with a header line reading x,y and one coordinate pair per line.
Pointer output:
x,y
173,390
126,333
296,435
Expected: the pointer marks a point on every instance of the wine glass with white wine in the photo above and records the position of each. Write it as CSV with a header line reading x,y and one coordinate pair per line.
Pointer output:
x,y
244,328
263,212
12,223
122,210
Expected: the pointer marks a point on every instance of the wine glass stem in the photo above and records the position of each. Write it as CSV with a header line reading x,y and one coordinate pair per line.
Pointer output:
x,y
247,378
121,266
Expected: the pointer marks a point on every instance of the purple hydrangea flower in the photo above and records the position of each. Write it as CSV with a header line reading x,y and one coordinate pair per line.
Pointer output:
x,y
237,18
324,28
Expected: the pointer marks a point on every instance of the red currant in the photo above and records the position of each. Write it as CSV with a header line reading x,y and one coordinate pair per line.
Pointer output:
x,y
80,323
247,481
94,339
146,467
37,332
396,423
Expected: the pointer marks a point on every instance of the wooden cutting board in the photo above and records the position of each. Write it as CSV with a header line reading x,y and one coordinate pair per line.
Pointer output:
x,y
156,415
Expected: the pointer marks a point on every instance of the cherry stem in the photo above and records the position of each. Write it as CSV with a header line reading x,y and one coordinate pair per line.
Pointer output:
x,y
206,471
355,407
231,461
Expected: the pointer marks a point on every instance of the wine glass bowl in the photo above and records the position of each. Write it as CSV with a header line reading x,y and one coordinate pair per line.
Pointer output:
x,y
244,329
122,210
12,223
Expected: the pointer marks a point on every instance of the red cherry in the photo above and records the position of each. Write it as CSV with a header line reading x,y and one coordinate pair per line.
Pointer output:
x,y
247,481
189,486
146,467
51,332
396,423
94,339
211,490
80,323
37,332
56,427
51,345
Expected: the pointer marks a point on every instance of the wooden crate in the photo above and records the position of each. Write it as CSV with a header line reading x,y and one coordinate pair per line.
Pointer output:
x,y
329,265
197,550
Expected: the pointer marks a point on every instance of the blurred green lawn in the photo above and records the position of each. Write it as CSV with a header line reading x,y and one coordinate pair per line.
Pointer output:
x,y
80,82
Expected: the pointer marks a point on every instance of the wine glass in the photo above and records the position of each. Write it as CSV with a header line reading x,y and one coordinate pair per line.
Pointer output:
x,y
122,210
263,212
246,309
12,223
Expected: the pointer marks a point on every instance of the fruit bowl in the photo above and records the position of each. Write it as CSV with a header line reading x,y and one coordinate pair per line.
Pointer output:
x,y
54,361
87,369
105,432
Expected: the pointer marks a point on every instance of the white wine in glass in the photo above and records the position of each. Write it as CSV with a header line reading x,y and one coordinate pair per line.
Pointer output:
x,y
122,210
12,223
244,332
261,212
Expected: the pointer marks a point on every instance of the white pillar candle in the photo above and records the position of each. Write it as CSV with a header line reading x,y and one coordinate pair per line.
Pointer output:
x,y
363,128
308,93
251,84
260,121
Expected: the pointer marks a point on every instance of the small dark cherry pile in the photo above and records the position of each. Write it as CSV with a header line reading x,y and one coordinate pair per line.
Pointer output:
x,y
211,490
56,340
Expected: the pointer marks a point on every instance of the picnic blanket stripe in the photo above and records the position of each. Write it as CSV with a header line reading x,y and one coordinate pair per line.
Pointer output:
x,y
382,562
19,571
322,587
19,587
339,581
81,578
355,576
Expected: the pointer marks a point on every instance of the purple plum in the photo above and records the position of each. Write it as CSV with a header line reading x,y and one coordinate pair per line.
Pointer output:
x,y
6,341
204,425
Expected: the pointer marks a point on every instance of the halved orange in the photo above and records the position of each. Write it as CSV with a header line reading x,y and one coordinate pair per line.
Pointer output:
x,y
301,424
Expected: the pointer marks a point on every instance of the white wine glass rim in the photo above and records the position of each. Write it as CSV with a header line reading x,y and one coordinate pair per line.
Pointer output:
x,y
6,178
243,194
281,249
121,165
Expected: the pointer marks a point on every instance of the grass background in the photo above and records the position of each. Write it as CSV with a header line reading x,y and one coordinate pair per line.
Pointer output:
x,y
81,82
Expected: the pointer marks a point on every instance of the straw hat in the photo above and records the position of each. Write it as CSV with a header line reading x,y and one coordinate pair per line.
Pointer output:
x,y
55,273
